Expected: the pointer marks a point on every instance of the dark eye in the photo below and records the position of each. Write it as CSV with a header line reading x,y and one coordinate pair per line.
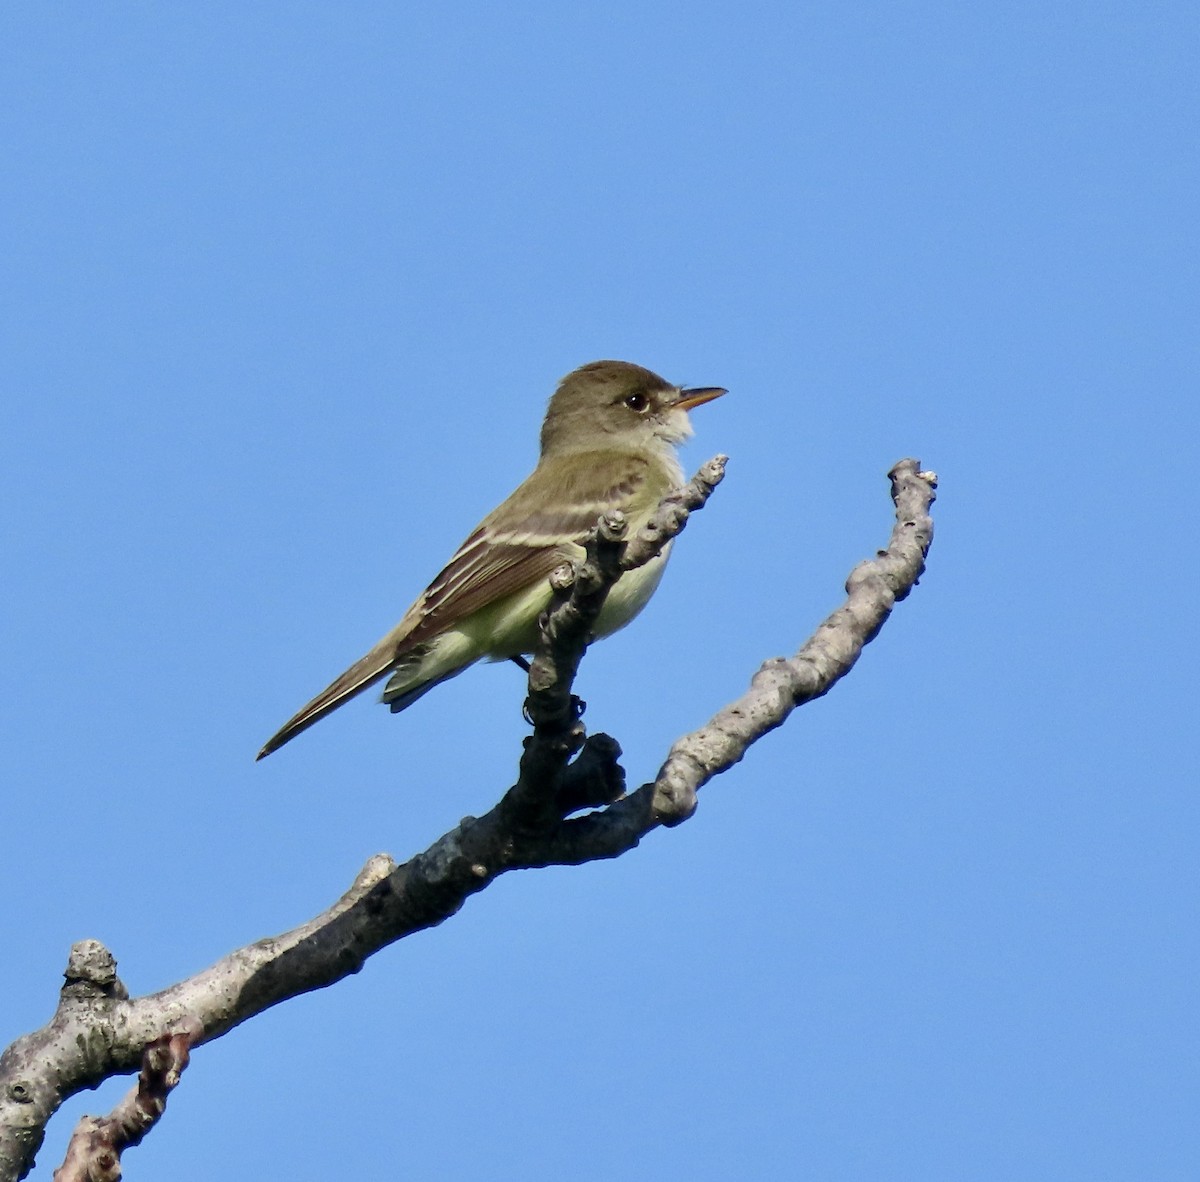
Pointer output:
x,y
638,402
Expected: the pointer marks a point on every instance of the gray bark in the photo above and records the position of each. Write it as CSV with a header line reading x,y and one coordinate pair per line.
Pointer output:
x,y
99,1031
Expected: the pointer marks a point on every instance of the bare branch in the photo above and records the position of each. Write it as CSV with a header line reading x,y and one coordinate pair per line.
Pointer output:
x,y
94,1151
98,1031
539,796
779,686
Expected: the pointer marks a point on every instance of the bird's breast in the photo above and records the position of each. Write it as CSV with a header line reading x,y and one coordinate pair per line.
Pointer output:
x,y
630,594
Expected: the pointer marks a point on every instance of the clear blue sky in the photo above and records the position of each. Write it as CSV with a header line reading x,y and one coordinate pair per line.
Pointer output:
x,y
287,286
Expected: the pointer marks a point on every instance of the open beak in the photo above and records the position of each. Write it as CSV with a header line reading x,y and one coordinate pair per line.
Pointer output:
x,y
697,396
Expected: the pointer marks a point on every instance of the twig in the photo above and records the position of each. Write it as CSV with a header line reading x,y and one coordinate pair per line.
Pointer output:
x,y
94,1151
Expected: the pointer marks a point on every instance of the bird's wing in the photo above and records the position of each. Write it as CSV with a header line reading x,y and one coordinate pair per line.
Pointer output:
x,y
521,542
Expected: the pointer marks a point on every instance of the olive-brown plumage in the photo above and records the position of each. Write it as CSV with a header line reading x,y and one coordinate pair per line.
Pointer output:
x,y
607,442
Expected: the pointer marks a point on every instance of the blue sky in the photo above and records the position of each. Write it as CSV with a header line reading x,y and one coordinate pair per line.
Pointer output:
x,y
287,287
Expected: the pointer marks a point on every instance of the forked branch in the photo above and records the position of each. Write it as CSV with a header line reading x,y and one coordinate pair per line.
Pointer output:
x,y
99,1031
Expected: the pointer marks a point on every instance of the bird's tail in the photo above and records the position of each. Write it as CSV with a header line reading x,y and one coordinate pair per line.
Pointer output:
x,y
404,687
357,678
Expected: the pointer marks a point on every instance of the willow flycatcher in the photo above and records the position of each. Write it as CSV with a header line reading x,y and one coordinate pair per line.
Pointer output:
x,y
608,442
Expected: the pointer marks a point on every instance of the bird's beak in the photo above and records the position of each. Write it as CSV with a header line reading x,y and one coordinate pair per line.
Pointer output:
x,y
697,396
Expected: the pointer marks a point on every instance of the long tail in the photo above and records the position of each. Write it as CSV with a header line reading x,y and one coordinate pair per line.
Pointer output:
x,y
357,678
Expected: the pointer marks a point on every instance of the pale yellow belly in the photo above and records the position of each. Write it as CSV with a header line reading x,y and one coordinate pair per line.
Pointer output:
x,y
509,627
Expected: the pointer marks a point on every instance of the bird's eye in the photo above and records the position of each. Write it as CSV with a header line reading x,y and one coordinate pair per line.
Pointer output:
x,y
638,402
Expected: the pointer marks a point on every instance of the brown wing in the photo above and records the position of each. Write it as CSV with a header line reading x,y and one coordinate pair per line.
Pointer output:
x,y
523,540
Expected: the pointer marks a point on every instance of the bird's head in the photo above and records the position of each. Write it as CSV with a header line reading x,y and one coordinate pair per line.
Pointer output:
x,y
618,405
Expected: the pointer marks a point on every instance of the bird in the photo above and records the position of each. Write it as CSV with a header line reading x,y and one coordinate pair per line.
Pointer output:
x,y
607,442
